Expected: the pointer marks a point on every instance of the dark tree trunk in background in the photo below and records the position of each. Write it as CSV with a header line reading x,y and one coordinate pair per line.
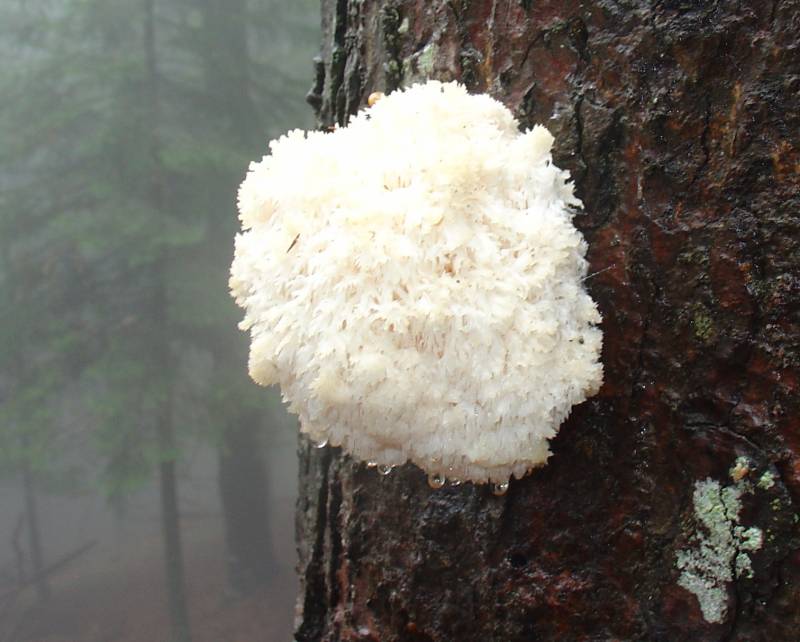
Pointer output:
x,y
34,535
165,427
242,468
243,489
679,122
226,67
173,553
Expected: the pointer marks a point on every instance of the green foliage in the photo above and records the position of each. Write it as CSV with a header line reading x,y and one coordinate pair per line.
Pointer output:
x,y
118,174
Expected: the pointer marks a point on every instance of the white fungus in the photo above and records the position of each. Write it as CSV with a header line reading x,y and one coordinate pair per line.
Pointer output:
x,y
414,283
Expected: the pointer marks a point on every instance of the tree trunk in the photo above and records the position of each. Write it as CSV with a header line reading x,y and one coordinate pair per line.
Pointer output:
x,y
173,553
668,511
34,535
165,429
226,67
243,488
242,469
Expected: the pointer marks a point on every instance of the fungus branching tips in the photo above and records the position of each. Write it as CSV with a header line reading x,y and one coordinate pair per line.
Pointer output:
x,y
414,283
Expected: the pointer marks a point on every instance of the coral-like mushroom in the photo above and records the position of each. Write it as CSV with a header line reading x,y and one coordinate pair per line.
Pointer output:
x,y
414,283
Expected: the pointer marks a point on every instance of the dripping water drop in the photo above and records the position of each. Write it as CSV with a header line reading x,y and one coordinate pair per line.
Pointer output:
x,y
500,489
436,481
384,470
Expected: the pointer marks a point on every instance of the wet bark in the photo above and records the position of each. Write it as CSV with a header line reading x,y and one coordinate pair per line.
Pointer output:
x,y
679,122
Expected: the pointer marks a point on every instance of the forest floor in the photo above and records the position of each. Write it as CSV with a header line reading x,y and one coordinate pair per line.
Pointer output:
x,y
108,597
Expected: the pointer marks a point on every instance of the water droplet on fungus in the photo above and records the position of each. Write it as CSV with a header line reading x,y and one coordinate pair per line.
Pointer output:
x,y
321,444
384,470
436,481
500,489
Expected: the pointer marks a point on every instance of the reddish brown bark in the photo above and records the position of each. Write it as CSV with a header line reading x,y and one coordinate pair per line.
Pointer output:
x,y
679,121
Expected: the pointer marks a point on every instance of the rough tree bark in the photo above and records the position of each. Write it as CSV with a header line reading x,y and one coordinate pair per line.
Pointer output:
x,y
679,121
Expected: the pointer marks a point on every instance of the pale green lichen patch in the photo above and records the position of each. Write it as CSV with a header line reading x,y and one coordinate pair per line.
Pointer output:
x,y
426,59
703,325
750,539
766,481
744,568
720,548
420,66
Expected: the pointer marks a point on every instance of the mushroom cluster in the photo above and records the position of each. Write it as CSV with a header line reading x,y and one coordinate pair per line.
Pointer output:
x,y
414,283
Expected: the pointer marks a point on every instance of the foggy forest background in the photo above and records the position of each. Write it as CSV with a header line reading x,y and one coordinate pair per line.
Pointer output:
x,y
130,433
